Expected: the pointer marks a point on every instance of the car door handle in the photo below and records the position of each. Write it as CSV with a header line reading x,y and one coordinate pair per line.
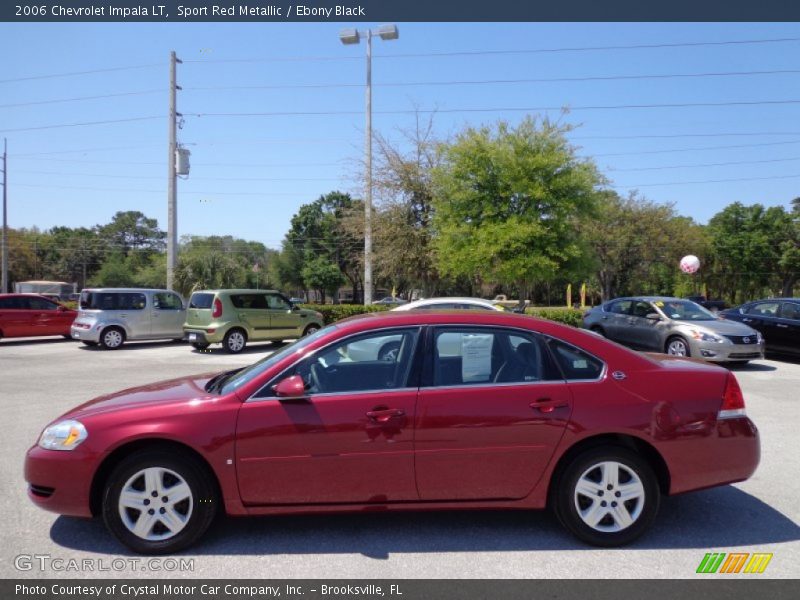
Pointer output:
x,y
123,316
547,405
782,326
747,320
383,415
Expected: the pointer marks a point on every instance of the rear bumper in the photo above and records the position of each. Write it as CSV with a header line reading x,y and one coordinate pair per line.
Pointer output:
x,y
201,336
85,335
729,454
59,481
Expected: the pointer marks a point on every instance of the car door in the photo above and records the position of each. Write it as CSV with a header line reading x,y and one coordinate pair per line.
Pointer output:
x,y
16,316
167,314
283,319
763,316
349,439
253,311
45,317
787,328
615,320
490,413
642,332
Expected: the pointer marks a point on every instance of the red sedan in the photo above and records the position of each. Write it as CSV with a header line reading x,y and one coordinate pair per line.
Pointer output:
x,y
404,411
28,315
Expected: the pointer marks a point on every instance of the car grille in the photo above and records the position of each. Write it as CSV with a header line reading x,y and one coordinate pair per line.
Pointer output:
x,y
42,491
745,355
743,339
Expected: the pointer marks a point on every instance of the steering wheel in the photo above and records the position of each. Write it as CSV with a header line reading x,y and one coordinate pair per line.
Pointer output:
x,y
389,351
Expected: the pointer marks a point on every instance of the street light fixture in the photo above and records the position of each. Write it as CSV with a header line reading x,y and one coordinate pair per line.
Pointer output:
x,y
353,36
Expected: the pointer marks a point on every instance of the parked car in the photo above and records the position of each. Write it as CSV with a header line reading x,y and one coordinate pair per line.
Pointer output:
x,y
111,316
477,409
235,317
713,305
450,304
24,315
390,301
777,319
674,326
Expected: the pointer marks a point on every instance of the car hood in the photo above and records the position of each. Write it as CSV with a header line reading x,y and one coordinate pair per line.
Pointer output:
x,y
720,326
162,392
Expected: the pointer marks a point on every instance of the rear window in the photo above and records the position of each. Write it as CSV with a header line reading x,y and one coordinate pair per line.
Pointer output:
x,y
113,301
201,300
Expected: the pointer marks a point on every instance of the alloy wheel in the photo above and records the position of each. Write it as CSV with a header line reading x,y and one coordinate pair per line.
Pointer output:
x,y
155,504
677,348
609,497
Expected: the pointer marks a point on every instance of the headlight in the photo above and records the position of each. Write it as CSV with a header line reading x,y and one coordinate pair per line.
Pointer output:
x,y
706,337
64,435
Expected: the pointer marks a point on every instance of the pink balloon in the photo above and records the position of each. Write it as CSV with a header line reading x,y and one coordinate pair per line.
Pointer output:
x,y
690,264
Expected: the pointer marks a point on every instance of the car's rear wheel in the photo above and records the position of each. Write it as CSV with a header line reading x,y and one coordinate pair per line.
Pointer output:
x,y
112,338
310,329
677,346
234,341
159,502
200,345
607,496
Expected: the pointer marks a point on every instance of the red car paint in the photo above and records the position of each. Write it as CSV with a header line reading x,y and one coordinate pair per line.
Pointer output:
x,y
482,446
29,315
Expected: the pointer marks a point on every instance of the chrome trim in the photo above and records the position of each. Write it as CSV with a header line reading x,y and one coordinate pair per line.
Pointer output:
x,y
490,384
329,395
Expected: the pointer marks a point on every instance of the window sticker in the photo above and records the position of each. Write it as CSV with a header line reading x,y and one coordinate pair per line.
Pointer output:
x,y
476,353
580,364
659,304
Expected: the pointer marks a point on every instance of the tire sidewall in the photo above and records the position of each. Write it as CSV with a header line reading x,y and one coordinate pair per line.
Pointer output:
x,y
567,513
677,338
204,500
226,340
103,338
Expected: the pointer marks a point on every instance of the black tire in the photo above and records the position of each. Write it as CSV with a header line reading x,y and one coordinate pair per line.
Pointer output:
x,y
112,338
311,329
88,343
67,336
566,501
675,341
235,340
200,508
200,345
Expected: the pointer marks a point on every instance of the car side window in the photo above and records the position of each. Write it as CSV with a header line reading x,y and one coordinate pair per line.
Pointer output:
x,y
41,304
249,301
377,361
472,356
167,301
620,307
642,309
277,302
12,303
764,309
575,363
790,310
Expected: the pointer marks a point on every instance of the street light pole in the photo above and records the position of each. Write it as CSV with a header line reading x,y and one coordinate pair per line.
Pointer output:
x,y
4,284
353,36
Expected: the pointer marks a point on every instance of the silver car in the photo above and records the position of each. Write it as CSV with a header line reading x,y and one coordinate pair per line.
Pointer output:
x,y
674,326
110,316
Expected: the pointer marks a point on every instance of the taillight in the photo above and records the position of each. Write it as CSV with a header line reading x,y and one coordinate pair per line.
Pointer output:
x,y
732,400
217,312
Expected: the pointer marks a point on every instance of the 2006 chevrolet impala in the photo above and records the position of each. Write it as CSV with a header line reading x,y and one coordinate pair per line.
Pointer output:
x,y
402,411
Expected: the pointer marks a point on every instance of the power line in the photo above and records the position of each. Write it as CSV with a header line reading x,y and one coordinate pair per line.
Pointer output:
x,y
495,81
112,176
680,135
80,98
709,181
718,164
78,150
132,190
693,149
75,73
497,52
41,127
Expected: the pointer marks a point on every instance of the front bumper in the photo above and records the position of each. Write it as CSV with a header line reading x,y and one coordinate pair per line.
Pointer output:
x,y
727,351
60,481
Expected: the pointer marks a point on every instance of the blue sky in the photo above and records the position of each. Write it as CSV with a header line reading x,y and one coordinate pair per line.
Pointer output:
x,y
250,174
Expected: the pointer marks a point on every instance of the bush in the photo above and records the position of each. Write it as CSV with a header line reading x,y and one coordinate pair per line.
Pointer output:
x,y
337,312
567,316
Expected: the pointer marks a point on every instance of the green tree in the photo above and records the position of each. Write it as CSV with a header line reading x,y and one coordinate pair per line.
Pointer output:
x,y
322,275
507,203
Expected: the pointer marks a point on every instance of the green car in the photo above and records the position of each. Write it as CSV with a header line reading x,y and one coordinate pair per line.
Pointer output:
x,y
235,317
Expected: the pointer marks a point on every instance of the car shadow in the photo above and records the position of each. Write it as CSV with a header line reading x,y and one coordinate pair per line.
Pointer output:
x,y
44,340
754,367
716,518
254,348
134,345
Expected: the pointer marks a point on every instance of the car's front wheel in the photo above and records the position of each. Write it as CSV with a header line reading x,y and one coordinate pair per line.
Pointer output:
x,y
677,346
607,496
159,502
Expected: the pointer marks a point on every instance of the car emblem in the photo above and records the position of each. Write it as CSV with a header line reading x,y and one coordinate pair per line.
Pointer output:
x,y
746,340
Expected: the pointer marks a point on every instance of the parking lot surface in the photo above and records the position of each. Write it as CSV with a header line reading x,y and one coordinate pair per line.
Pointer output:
x,y
40,379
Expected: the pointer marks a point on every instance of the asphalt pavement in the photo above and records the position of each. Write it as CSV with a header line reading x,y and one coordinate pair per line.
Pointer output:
x,y
40,379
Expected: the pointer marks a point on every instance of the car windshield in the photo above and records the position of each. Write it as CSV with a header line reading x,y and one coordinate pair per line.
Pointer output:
x,y
249,373
684,310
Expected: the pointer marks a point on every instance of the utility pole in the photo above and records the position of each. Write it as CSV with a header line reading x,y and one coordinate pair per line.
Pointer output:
x,y
4,284
172,177
368,203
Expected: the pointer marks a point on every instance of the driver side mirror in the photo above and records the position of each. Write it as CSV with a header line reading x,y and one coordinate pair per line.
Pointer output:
x,y
61,308
653,316
291,387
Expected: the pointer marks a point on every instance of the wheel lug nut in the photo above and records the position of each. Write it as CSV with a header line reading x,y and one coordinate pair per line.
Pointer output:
x,y
164,499
613,504
155,494
600,493
618,494
162,510
151,512
610,487
603,503
146,501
